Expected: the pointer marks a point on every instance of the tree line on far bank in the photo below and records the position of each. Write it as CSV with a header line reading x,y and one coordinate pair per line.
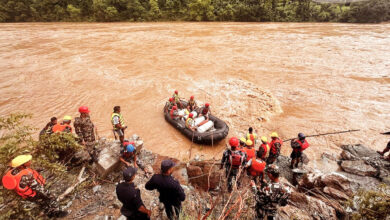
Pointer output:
x,y
371,11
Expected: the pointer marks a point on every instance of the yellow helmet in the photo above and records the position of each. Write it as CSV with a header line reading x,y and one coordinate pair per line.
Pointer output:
x,y
274,134
243,139
264,139
20,160
67,118
249,142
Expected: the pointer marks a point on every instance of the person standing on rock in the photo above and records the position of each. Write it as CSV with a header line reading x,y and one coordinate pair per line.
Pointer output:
x,y
233,159
85,130
387,149
249,150
128,156
29,184
275,147
118,123
171,193
130,196
264,148
270,196
298,145
255,167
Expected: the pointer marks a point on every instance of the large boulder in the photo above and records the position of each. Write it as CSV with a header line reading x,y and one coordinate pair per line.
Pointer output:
x,y
360,151
334,193
358,167
204,174
108,159
336,181
315,208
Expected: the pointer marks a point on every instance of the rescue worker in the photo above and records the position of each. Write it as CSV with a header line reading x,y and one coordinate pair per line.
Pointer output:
x,y
242,144
249,150
85,130
191,105
130,196
177,99
174,113
190,123
171,192
264,148
270,196
118,124
233,160
205,111
171,103
64,126
298,145
29,184
251,136
48,129
275,147
128,156
255,168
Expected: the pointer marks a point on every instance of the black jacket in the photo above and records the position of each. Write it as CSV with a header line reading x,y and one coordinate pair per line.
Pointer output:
x,y
130,197
170,190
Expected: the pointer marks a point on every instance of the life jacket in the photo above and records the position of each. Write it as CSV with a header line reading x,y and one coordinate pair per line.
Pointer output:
x,y
250,152
191,102
205,111
172,114
266,151
12,182
125,143
303,145
257,167
251,137
62,128
272,145
176,97
235,159
189,122
121,120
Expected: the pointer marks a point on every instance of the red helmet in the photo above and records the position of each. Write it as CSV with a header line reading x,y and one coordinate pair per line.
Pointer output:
x,y
171,99
234,142
192,97
176,92
174,107
190,115
83,109
207,105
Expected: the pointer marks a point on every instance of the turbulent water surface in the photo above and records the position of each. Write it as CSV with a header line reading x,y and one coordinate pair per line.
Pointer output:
x,y
288,77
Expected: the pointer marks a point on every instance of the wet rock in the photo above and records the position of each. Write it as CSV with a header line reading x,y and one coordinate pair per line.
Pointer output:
x,y
358,167
345,155
108,159
194,171
204,174
315,208
336,181
359,150
181,175
334,193
329,156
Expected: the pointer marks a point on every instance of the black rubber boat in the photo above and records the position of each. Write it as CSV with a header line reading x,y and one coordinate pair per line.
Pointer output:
x,y
207,138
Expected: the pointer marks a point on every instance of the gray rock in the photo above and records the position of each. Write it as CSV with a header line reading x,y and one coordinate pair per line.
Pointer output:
x,y
358,167
108,159
96,188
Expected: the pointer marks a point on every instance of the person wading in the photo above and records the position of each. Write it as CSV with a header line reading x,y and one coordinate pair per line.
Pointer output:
x,y
298,145
86,130
118,123
130,196
275,147
29,184
270,196
171,193
233,160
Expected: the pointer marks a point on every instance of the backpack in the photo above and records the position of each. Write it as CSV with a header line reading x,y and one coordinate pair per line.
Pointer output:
x,y
235,159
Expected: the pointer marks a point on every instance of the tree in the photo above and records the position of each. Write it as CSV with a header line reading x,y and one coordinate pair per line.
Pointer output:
x,y
74,13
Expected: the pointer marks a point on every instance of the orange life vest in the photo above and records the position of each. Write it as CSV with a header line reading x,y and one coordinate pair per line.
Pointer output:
x,y
266,148
250,153
272,145
252,138
15,179
303,145
61,128
257,167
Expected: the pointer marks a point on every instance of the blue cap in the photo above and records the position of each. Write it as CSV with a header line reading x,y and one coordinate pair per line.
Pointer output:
x,y
130,148
129,172
166,164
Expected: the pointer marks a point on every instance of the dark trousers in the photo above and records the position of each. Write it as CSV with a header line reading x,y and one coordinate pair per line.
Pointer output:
x,y
172,210
138,216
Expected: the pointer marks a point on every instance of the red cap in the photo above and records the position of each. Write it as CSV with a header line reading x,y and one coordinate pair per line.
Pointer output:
x,y
174,107
234,142
192,97
171,99
83,109
176,92
207,105
190,115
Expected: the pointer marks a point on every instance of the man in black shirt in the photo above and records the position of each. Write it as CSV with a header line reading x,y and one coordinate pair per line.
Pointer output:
x,y
171,193
130,196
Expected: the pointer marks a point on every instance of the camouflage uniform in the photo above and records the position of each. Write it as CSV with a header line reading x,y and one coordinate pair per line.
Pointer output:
x,y
43,197
229,170
268,199
85,129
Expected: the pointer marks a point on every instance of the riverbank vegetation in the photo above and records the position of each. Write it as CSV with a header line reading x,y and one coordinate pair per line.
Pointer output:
x,y
371,11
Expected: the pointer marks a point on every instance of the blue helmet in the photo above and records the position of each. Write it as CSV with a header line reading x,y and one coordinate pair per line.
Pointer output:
x,y
301,136
130,148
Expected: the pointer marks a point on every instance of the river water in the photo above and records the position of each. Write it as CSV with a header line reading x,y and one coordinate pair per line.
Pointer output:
x,y
287,77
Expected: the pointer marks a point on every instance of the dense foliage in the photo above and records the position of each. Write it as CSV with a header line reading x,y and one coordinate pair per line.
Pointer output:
x,y
192,10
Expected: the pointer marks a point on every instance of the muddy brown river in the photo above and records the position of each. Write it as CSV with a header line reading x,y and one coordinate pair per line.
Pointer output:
x,y
287,77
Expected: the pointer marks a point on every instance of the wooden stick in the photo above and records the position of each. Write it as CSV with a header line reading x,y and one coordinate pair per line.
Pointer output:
x,y
71,188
